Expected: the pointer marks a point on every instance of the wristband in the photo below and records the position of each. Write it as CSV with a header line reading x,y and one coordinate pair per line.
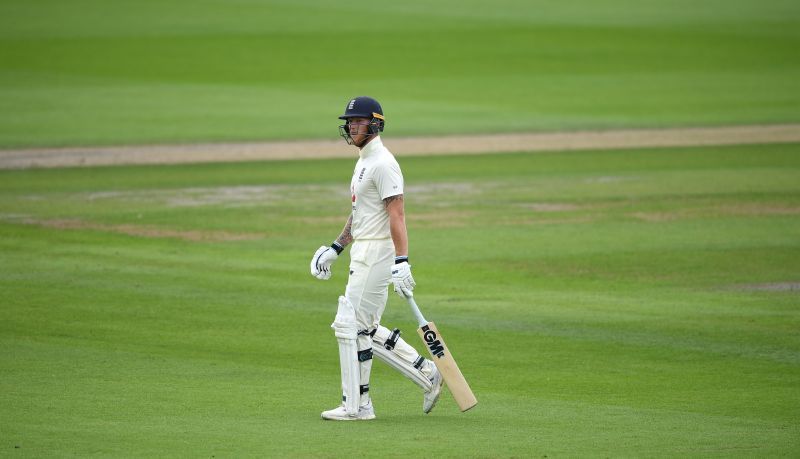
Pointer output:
x,y
335,246
398,260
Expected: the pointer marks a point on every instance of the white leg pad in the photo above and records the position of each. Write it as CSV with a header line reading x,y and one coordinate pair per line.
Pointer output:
x,y
403,358
346,330
365,351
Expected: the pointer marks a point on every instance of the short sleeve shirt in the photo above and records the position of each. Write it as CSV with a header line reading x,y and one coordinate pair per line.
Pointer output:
x,y
376,177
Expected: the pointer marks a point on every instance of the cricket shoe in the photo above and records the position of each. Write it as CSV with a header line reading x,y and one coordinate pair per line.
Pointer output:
x,y
365,413
432,396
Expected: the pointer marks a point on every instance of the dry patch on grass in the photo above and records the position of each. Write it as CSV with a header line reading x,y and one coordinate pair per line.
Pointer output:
x,y
445,193
323,220
580,220
656,217
238,196
442,219
611,179
403,146
225,196
551,207
143,231
768,287
726,210
756,210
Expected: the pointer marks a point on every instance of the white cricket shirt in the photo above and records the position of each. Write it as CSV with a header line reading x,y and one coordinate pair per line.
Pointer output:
x,y
376,177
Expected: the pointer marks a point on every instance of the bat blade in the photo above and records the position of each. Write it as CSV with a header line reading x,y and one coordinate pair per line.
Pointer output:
x,y
447,366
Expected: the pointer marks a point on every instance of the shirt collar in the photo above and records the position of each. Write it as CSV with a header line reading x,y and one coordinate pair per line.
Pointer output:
x,y
371,148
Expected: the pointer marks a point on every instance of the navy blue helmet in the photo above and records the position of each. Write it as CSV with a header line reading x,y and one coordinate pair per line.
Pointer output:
x,y
362,107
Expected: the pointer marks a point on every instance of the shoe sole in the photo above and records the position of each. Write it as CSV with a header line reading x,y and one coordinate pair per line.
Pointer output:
x,y
366,418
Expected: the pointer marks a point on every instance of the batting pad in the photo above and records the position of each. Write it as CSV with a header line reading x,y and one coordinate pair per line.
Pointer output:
x,y
403,358
344,326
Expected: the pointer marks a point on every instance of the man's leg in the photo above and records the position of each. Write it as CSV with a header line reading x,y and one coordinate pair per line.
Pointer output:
x,y
398,354
389,347
360,303
352,365
344,327
367,291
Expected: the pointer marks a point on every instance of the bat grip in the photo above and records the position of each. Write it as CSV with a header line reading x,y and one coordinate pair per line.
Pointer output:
x,y
415,309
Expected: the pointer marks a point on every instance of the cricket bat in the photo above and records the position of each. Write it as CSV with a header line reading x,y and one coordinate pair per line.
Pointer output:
x,y
443,359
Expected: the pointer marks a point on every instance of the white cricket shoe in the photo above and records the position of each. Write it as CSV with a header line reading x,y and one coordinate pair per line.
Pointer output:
x,y
432,396
365,413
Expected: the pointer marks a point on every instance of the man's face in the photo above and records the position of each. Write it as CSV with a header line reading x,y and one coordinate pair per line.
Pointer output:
x,y
359,130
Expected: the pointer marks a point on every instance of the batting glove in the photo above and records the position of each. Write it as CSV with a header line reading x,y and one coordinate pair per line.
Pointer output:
x,y
322,260
403,280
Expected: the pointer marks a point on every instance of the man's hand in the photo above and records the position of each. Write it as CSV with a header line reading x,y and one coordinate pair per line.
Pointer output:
x,y
403,281
321,262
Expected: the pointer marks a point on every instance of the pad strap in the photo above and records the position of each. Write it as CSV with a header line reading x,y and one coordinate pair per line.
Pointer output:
x,y
391,341
363,389
368,332
365,355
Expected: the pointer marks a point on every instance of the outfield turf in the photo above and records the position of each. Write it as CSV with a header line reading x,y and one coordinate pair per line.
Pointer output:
x,y
605,304
88,72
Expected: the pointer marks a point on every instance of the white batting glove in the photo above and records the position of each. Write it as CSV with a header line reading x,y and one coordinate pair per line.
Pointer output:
x,y
321,262
403,280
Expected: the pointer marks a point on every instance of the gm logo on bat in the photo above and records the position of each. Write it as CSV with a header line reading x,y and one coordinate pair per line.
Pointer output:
x,y
433,343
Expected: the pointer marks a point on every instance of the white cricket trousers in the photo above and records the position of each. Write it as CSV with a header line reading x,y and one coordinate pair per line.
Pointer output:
x,y
367,289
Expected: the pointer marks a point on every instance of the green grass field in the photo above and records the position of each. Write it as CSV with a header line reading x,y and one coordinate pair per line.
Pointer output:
x,y
640,303
89,72
602,304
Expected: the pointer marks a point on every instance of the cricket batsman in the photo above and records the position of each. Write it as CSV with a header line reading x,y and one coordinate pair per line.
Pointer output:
x,y
377,230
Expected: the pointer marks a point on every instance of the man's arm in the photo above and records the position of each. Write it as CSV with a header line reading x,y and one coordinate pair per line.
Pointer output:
x,y
397,224
346,237
401,271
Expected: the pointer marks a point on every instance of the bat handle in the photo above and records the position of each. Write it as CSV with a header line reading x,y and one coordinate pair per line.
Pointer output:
x,y
415,309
